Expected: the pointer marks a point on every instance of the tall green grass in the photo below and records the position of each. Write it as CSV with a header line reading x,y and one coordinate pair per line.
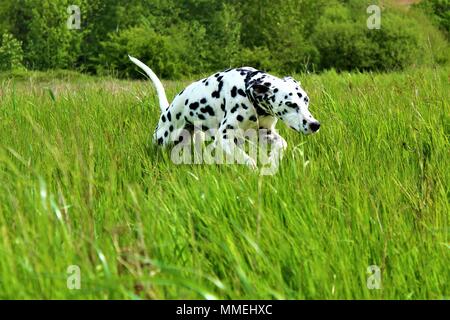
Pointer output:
x,y
81,184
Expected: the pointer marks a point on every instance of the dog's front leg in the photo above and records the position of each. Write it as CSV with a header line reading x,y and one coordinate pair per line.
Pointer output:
x,y
276,144
235,154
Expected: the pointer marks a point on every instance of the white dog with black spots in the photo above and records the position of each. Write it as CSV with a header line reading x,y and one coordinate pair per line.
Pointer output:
x,y
242,98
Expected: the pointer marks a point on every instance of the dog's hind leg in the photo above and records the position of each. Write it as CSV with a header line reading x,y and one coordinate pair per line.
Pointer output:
x,y
170,125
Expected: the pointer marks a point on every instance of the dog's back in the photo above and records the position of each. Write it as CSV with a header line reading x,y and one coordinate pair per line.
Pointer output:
x,y
204,103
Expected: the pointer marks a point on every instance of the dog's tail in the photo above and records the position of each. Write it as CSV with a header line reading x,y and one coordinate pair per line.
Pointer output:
x,y
163,103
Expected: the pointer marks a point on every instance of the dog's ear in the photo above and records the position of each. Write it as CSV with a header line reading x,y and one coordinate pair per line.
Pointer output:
x,y
260,89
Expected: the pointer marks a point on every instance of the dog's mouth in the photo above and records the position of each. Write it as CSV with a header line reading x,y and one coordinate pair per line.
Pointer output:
x,y
303,129
300,130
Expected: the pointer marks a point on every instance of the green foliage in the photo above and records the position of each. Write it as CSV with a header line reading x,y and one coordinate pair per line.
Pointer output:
x,y
342,41
225,37
399,42
199,36
47,41
170,54
258,57
11,53
345,43
439,10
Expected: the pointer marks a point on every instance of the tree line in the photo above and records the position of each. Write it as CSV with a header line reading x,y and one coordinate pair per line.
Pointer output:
x,y
179,38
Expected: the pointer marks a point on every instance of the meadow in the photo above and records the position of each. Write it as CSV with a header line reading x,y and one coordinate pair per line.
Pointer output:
x,y
82,185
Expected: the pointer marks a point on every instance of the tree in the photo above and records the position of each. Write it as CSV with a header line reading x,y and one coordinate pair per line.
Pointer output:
x,y
11,53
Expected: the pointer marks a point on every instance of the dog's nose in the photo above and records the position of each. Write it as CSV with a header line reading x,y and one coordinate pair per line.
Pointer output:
x,y
314,126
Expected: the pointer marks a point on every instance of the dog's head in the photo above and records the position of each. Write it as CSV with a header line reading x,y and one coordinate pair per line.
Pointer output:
x,y
283,99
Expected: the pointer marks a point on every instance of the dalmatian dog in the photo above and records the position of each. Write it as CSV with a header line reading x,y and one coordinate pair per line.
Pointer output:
x,y
242,98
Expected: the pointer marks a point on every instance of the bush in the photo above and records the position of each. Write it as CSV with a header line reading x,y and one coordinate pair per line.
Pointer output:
x,y
11,53
439,10
345,43
399,42
47,41
258,57
171,55
181,38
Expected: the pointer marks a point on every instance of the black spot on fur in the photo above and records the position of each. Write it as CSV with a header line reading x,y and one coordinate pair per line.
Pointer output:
x,y
160,141
180,139
216,94
171,128
163,118
208,110
186,102
253,118
203,101
240,118
299,95
166,134
234,92
233,110
178,115
242,93
169,116
244,106
201,117
194,106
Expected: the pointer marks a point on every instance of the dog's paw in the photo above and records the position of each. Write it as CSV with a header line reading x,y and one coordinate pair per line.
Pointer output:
x,y
251,163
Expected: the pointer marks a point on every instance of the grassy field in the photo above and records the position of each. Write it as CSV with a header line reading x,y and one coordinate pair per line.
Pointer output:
x,y
81,184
